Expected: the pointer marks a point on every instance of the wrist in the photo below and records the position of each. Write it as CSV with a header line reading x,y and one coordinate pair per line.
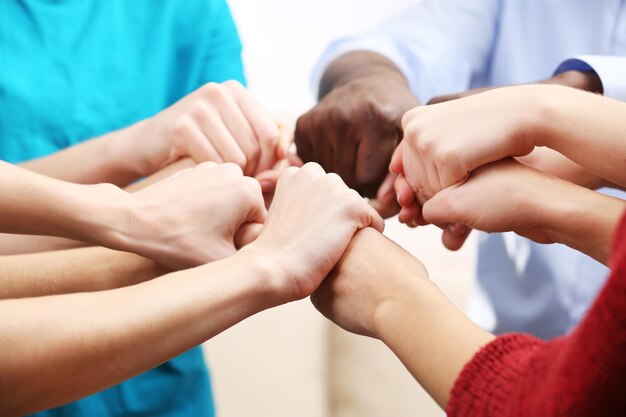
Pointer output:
x,y
583,219
125,150
263,276
416,298
100,213
549,104
361,66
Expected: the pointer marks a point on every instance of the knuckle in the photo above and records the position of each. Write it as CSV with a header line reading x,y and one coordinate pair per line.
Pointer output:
x,y
251,189
213,91
233,84
231,169
182,126
312,169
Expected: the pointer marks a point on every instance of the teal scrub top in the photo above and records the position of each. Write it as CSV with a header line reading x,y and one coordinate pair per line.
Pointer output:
x,y
71,70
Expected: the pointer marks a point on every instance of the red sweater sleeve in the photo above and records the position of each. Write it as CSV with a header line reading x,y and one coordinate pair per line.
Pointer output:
x,y
582,374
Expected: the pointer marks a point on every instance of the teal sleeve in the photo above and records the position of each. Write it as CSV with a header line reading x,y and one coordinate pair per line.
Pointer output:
x,y
223,59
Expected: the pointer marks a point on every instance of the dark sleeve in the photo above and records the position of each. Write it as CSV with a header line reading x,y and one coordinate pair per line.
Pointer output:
x,y
582,374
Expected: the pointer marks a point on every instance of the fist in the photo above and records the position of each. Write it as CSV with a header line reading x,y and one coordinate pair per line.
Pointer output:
x,y
355,128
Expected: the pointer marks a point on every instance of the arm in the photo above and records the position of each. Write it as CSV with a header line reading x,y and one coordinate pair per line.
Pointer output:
x,y
103,338
145,222
379,290
449,140
72,271
11,244
508,196
369,82
217,122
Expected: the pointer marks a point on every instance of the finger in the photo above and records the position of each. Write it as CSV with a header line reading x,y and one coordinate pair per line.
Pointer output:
x,y
440,209
302,138
268,180
455,239
412,216
196,144
375,220
247,233
294,159
372,162
386,203
265,127
404,193
242,131
395,166
272,152
286,139
218,134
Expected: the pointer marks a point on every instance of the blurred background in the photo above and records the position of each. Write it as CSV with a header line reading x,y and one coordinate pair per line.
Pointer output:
x,y
290,361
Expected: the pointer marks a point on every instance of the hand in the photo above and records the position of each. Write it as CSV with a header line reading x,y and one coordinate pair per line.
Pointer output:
x,y
217,122
411,201
445,142
312,219
355,128
505,196
372,271
196,216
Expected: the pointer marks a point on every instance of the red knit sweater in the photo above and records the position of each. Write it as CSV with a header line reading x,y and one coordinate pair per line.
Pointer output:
x,y
582,374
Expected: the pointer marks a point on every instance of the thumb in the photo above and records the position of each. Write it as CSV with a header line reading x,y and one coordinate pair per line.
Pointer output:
x,y
247,233
441,208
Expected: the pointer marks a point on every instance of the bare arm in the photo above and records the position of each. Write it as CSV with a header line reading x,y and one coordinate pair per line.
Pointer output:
x,y
586,128
380,290
72,271
88,342
12,244
66,347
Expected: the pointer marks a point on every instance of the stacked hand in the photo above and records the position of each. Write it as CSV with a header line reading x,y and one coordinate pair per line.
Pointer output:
x,y
217,122
194,217
312,219
353,132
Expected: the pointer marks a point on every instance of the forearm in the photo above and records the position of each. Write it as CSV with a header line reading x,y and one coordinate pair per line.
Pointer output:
x,y
11,244
554,163
60,348
432,338
39,205
72,271
23,244
580,218
103,159
586,128
356,65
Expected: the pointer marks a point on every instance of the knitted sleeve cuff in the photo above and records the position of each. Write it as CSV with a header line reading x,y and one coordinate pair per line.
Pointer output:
x,y
486,383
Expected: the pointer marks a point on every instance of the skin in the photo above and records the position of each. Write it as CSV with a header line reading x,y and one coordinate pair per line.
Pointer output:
x,y
552,134
438,137
356,125
218,122
143,222
72,271
12,244
103,338
379,290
